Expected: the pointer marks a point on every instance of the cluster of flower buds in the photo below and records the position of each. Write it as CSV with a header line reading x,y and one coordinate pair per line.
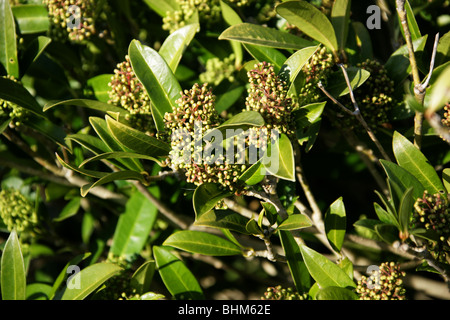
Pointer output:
x,y
318,68
209,12
446,119
432,212
374,96
10,110
129,93
384,284
280,293
218,70
17,212
76,20
268,95
194,116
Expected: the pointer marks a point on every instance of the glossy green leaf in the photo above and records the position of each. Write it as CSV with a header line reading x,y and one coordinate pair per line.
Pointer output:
x,y
91,143
412,23
340,18
254,174
99,85
223,219
253,228
363,40
133,227
402,178
13,277
398,65
413,160
297,266
110,177
176,43
89,173
337,86
366,228
405,210
383,215
263,36
308,114
136,140
294,64
227,99
32,52
107,135
346,265
4,124
443,49
232,18
325,272
309,20
440,94
336,293
62,275
387,232
335,224
206,197
69,210
446,178
16,93
202,243
8,45
38,291
31,18
270,55
119,155
87,103
237,124
279,159
162,7
87,280
47,128
157,78
294,222
177,278
143,276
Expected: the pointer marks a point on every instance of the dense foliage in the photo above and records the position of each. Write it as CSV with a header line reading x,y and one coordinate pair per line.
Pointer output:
x,y
235,149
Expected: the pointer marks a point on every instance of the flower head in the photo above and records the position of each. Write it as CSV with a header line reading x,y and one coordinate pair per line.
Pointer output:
x,y
17,211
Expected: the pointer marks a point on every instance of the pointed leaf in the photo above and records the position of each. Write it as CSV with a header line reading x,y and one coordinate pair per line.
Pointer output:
x,y
33,52
89,173
405,210
340,18
309,20
16,93
69,210
134,226
13,277
325,272
89,279
336,293
335,224
202,243
119,175
8,44
440,94
279,159
336,81
206,197
294,64
412,23
254,174
270,55
136,140
157,78
86,103
413,160
294,222
118,155
105,133
31,18
403,178
177,278
263,36
223,219
142,278
101,88
297,266
176,43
